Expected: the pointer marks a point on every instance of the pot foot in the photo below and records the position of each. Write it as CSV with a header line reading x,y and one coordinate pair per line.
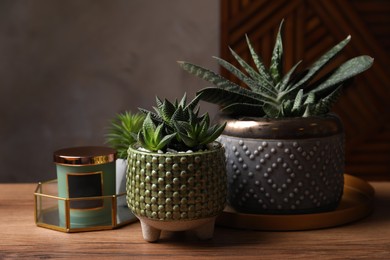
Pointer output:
x,y
150,233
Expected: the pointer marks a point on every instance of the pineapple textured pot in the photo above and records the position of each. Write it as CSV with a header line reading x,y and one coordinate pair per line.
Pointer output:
x,y
284,166
177,191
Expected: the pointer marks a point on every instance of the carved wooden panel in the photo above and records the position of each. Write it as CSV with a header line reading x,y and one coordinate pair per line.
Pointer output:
x,y
311,28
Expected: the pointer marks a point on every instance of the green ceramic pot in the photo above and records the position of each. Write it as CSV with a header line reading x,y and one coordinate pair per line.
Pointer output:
x,y
85,172
169,188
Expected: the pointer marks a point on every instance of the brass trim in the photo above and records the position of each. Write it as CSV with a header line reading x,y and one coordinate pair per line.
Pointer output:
x,y
68,229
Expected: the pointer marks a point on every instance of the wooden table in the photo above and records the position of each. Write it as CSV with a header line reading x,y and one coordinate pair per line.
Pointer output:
x,y
21,238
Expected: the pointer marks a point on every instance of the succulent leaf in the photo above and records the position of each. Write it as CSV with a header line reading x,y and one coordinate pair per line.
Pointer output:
x,y
265,78
276,68
208,75
298,100
322,61
283,86
179,126
224,97
272,94
346,71
250,82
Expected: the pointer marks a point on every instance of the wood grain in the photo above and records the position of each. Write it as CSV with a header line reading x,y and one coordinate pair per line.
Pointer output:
x,y
22,239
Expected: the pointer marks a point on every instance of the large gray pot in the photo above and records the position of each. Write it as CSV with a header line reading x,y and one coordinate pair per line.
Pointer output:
x,y
284,166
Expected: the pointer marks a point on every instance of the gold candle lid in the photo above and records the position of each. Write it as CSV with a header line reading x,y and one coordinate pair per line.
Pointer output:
x,y
85,155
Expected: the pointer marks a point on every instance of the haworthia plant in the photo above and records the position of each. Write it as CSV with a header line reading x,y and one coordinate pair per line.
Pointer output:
x,y
178,126
272,94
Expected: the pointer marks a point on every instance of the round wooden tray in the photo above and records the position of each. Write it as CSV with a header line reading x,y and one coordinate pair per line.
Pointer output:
x,y
356,203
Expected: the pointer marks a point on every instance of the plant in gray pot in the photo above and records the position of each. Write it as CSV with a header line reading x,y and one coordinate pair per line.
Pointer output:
x,y
176,177
285,150
120,135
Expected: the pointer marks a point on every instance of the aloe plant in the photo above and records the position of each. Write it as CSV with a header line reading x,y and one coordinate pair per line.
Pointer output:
x,y
177,126
272,94
122,131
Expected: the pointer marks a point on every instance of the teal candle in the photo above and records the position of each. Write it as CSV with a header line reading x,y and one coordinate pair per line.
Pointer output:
x,y
85,172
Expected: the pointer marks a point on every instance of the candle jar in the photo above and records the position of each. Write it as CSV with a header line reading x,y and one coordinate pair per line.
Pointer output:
x,y
84,175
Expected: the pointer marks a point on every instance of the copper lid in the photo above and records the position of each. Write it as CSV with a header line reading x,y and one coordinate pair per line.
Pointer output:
x,y
85,155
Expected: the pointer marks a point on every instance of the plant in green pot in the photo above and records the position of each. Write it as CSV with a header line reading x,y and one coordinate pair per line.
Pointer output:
x,y
285,150
176,177
120,135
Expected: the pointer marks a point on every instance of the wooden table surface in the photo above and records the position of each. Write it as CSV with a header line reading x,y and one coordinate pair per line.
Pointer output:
x,y
21,238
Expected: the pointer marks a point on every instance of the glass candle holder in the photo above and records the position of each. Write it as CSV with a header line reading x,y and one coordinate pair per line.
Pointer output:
x,y
85,174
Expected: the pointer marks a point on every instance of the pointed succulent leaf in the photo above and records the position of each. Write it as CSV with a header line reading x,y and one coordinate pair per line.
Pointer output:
x,y
276,68
140,138
225,97
182,126
158,133
159,102
310,99
220,81
155,117
208,75
346,71
165,141
236,72
148,126
272,111
284,83
193,103
322,61
179,115
183,100
309,110
166,111
189,142
286,108
204,125
323,105
256,82
213,133
298,100
265,78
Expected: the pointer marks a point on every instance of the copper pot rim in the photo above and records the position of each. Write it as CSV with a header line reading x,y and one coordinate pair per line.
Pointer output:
x,y
282,128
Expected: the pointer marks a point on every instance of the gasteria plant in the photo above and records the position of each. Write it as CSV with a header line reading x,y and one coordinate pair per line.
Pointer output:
x,y
177,126
122,131
274,95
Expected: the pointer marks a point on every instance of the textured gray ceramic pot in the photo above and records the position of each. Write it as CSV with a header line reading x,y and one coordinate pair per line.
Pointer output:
x,y
284,166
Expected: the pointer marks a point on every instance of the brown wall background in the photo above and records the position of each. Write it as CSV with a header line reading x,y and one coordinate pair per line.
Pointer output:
x,y
311,28
67,67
